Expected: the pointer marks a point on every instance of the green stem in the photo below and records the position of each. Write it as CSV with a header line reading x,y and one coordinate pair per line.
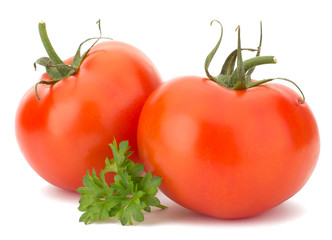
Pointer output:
x,y
253,62
47,44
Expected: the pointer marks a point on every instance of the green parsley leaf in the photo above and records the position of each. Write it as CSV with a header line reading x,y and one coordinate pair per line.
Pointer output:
x,y
126,198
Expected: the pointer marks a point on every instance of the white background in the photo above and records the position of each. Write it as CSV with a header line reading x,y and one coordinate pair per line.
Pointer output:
x,y
176,35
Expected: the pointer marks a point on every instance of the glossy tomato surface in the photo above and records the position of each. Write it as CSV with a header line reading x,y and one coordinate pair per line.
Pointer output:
x,y
68,131
228,153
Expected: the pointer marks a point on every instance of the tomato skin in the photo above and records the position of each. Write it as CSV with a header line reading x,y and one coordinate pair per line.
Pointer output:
x,y
68,131
227,153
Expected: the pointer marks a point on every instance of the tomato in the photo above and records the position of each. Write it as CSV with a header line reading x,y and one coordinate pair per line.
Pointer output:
x,y
230,151
226,153
68,131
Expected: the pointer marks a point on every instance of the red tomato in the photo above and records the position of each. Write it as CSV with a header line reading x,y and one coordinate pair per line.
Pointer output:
x,y
68,131
228,153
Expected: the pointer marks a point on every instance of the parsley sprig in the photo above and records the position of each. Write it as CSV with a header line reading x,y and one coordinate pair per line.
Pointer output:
x,y
125,198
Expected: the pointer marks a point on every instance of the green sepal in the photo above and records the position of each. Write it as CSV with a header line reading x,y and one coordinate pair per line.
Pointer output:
x,y
240,78
251,70
257,83
213,52
56,69
229,77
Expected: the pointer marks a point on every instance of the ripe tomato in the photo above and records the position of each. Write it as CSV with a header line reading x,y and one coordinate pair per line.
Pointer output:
x,y
68,131
227,153
228,146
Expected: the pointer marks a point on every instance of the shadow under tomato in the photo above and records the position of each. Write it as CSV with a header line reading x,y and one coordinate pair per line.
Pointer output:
x,y
286,212
176,214
62,195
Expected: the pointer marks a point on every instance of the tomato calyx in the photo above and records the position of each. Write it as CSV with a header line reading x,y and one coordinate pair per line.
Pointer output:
x,y
240,78
56,69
